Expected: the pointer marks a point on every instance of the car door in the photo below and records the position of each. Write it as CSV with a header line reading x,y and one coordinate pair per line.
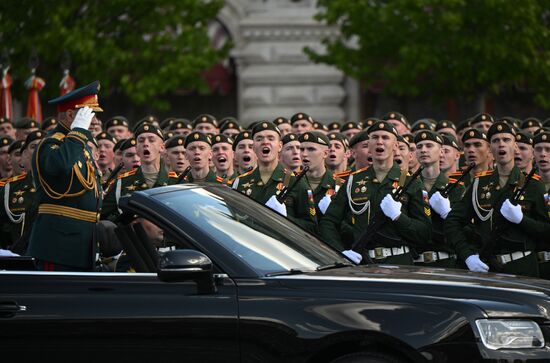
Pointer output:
x,y
96,315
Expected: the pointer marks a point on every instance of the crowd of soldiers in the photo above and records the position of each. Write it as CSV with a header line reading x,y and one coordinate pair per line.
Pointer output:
x,y
469,197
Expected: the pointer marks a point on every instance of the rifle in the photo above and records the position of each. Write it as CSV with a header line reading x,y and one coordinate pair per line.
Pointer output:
x,y
379,220
183,174
450,186
500,227
113,175
283,194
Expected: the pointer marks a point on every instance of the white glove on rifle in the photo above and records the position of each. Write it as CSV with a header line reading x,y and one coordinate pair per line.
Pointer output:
x,y
511,212
475,264
83,118
390,207
352,255
324,203
274,204
440,205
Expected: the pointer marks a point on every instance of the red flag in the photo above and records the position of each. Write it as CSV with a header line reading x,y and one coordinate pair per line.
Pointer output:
x,y
6,108
67,83
34,84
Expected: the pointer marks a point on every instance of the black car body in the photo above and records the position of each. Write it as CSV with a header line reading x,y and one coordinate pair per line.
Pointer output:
x,y
245,284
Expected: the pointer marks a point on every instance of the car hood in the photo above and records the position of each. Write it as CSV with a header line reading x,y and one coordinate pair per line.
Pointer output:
x,y
498,295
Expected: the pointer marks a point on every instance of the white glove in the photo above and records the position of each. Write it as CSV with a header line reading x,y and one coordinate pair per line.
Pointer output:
x,y
324,203
352,255
7,253
390,207
441,205
511,212
83,118
475,264
274,204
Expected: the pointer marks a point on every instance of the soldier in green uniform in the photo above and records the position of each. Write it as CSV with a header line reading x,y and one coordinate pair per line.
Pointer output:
x,y
150,174
6,168
399,121
360,153
450,155
284,125
366,194
446,127
487,204
198,151
175,154
301,122
542,158
14,152
6,128
24,126
180,126
129,156
223,157
524,153
48,124
270,177
118,127
482,122
290,153
314,151
350,129
476,150
437,252
402,154
245,158
106,161
68,189
19,198
338,153
206,124
230,127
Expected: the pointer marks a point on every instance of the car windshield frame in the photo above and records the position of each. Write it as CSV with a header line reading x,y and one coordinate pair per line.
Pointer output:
x,y
265,241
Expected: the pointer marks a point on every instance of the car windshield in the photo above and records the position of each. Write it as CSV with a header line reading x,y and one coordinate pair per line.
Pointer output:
x,y
266,241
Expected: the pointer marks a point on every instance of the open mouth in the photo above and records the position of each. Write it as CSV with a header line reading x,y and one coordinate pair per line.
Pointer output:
x,y
369,159
502,152
379,149
296,159
146,152
471,158
247,158
266,151
332,156
517,159
180,163
197,160
222,159
305,161
399,161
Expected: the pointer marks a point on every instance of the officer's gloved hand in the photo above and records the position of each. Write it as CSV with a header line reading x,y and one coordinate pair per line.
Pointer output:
x,y
390,207
441,205
352,255
83,118
324,203
7,253
274,204
475,264
511,212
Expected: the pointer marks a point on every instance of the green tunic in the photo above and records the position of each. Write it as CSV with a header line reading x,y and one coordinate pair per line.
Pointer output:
x,y
210,178
480,207
68,194
300,205
326,187
364,193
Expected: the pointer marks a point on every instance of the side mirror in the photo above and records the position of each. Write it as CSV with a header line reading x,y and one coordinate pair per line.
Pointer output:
x,y
187,265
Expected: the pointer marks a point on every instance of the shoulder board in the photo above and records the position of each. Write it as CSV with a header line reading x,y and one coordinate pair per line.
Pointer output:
x,y
456,173
342,174
453,181
172,174
536,176
16,178
2,183
484,173
246,174
219,179
358,170
128,173
58,136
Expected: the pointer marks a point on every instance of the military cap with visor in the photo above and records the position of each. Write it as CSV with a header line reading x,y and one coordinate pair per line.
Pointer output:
x,y
116,121
106,136
300,116
263,126
220,139
50,121
315,137
5,141
16,145
523,137
148,128
531,122
35,135
205,119
396,116
289,138
128,143
176,140
339,137
450,140
382,126
474,134
245,135
197,136
81,97
428,135
542,137
359,137
499,128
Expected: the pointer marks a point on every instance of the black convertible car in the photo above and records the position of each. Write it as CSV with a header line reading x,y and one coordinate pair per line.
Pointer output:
x,y
241,283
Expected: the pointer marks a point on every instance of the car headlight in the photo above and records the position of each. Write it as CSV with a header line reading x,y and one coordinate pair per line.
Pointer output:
x,y
510,334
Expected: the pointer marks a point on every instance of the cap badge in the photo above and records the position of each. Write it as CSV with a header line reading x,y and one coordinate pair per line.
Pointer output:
x,y
300,116
381,126
544,137
392,115
180,141
306,137
483,117
217,138
115,122
132,142
146,127
424,135
518,137
196,136
472,133
499,127
246,134
264,125
204,119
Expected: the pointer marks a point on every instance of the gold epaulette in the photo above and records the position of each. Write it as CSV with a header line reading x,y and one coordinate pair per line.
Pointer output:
x,y
456,173
2,183
359,170
58,136
246,174
16,178
172,174
453,180
536,176
342,174
484,173
128,173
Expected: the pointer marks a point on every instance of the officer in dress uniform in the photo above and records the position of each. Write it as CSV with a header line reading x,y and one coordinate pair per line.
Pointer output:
x,y
366,194
437,252
68,188
265,181
487,204
150,174
542,157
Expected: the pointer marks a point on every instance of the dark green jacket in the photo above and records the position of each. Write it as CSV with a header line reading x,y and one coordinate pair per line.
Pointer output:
x,y
411,228
21,198
129,182
210,178
489,195
300,205
68,194
325,187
